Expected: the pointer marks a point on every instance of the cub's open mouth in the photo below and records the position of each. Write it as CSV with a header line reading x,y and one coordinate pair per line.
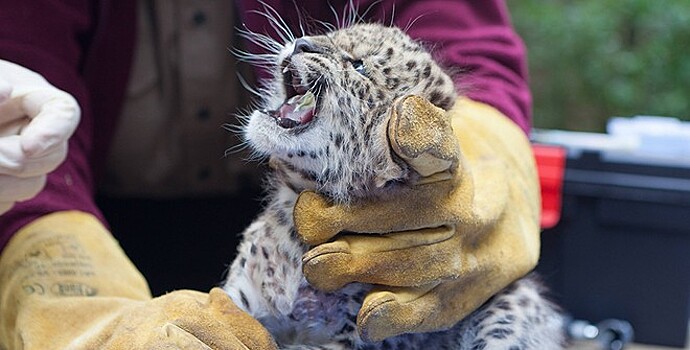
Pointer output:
x,y
299,107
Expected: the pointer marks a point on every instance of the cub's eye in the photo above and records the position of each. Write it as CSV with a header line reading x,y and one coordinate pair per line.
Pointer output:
x,y
358,65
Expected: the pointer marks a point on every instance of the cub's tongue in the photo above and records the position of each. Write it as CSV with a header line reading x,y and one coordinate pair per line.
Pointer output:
x,y
296,111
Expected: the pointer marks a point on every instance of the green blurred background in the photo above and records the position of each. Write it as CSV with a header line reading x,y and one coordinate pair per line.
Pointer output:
x,y
593,59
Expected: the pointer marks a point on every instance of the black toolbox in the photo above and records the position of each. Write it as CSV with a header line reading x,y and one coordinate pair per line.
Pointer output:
x,y
622,247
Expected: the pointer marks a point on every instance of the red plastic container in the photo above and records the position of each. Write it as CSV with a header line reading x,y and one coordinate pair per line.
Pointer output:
x,y
551,167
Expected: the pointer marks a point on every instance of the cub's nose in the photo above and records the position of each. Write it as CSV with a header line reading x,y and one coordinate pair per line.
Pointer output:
x,y
303,45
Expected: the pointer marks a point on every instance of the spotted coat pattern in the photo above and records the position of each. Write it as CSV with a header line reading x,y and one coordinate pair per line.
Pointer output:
x,y
356,73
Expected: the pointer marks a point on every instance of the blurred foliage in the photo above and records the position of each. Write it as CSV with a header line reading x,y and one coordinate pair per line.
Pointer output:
x,y
593,59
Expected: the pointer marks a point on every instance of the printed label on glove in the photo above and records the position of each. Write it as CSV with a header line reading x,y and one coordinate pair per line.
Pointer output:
x,y
56,266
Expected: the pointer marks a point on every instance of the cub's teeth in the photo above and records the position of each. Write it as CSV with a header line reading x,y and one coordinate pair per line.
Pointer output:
x,y
306,101
285,70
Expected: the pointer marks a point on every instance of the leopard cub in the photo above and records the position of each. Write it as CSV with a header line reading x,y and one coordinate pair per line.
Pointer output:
x,y
322,122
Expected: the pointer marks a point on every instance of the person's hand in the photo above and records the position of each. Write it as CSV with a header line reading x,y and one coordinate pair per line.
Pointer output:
x,y
36,120
444,245
66,284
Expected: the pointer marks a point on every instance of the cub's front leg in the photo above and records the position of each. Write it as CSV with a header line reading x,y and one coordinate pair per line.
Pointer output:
x,y
266,274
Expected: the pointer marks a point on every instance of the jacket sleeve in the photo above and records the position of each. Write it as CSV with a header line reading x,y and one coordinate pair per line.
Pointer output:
x,y
476,40
472,38
57,39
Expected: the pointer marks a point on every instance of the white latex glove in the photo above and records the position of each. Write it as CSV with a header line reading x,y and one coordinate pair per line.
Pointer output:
x,y
36,120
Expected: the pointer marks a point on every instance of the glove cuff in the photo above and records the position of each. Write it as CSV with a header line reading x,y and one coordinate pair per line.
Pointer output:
x,y
62,255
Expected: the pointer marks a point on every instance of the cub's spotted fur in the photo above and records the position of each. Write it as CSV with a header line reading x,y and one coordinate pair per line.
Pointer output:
x,y
322,122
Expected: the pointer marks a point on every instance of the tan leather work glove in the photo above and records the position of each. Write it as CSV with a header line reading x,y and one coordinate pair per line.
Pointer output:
x,y
65,283
444,245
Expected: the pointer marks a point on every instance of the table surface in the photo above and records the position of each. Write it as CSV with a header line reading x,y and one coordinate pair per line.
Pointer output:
x,y
593,346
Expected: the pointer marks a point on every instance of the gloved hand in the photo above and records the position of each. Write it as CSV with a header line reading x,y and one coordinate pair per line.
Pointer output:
x,y
66,284
442,247
36,120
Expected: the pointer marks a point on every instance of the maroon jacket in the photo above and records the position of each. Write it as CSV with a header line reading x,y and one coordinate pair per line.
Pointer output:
x,y
85,47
